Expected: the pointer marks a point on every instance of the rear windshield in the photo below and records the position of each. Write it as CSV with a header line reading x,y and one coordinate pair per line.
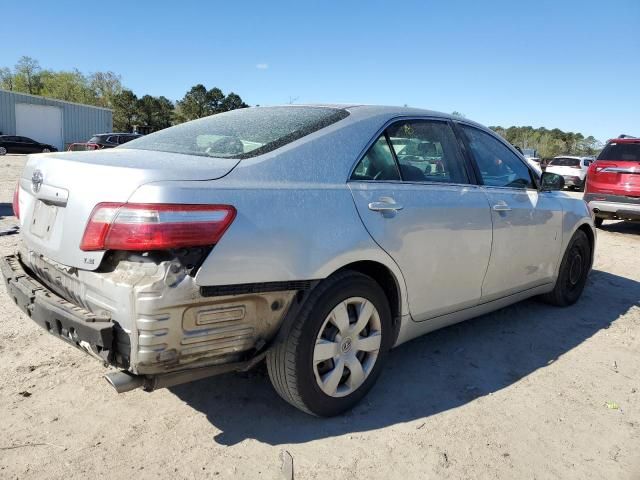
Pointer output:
x,y
95,139
565,162
241,133
621,151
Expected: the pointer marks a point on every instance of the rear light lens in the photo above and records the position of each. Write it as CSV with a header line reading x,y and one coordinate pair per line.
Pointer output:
x,y
16,201
142,227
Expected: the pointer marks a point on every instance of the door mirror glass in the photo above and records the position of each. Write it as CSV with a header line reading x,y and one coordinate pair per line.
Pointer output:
x,y
551,181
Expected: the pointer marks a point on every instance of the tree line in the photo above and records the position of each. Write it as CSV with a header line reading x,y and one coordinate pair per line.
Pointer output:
x,y
105,89
550,143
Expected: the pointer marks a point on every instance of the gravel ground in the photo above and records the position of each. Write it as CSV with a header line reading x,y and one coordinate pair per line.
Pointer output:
x,y
530,391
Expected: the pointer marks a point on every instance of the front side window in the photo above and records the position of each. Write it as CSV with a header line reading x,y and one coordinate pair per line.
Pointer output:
x,y
427,151
498,165
378,163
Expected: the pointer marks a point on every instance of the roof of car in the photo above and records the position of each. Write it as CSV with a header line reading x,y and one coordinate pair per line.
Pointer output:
x,y
370,110
624,140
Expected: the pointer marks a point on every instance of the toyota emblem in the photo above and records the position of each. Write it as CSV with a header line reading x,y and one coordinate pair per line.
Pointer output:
x,y
36,180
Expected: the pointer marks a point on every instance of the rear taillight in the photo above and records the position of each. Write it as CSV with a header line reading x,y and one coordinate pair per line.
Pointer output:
x,y
16,201
141,227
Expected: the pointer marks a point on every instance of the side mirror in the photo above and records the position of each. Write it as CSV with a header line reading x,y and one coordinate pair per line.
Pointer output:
x,y
551,181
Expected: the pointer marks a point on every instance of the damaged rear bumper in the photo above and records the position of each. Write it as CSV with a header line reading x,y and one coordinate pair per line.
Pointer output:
x,y
92,333
149,319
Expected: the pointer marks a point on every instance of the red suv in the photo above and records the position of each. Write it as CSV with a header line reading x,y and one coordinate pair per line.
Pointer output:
x,y
613,181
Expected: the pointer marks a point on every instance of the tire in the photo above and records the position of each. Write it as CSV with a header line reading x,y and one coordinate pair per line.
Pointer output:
x,y
46,150
3,151
573,273
293,363
584,184
598,222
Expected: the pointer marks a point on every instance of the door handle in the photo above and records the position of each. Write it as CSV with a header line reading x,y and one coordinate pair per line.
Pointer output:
x,y
501,207
386,204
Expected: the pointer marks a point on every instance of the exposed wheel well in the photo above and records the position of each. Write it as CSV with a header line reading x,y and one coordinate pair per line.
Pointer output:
x,y
387,280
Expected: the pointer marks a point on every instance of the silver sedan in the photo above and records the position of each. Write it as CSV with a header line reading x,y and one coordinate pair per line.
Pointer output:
x,y
315,237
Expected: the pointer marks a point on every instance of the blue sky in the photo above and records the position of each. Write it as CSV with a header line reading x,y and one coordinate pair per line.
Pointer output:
x,y
573,65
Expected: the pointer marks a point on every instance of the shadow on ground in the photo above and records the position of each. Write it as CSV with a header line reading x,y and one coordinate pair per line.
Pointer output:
x,y
622,227
431,374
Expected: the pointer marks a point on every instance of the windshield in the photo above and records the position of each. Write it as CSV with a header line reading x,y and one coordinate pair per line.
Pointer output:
x,y
565,162
621,152
241,133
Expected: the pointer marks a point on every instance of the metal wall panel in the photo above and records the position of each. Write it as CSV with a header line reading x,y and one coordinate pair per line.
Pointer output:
x,y
80,122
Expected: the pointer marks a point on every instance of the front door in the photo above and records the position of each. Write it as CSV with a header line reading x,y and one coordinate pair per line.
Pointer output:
x,y
527,224
413,194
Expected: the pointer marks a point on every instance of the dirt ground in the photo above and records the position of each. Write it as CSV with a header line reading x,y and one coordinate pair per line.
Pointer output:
x,y
528,392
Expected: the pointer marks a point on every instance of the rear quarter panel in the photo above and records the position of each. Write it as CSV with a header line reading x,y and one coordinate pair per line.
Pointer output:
x,y
282,231
576,213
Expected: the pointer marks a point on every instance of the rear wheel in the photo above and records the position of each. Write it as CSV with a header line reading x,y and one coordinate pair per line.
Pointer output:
x,y
574,269
332,354
584,183
3,151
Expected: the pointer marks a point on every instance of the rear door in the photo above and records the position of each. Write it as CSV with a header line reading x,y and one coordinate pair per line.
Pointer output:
x,y
527,224
20,145
29,145
413,193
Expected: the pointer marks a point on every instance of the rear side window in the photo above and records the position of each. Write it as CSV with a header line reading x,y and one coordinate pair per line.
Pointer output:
x,y
427,151
621,152
242,133
414,151
565,162
378,163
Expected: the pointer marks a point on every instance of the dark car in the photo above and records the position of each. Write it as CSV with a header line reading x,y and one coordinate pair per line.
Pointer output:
x,y
110,140
17,144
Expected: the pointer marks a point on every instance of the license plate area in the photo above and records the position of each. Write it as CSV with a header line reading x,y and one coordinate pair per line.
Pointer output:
x,y
44,217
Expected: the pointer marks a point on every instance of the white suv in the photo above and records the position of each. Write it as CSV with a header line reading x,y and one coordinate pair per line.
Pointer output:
x,y
573,169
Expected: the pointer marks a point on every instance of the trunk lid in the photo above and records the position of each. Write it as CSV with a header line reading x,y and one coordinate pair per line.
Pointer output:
x,y
615,177
58,191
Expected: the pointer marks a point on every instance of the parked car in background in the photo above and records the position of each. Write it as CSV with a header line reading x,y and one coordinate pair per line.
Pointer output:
x,y
573,169
112,140
82,147
19,144
613,181
317,237
531,156
536,163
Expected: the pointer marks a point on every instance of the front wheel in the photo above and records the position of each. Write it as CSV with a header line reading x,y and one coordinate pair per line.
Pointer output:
x,y
46,150
3,151
574,269
327,360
